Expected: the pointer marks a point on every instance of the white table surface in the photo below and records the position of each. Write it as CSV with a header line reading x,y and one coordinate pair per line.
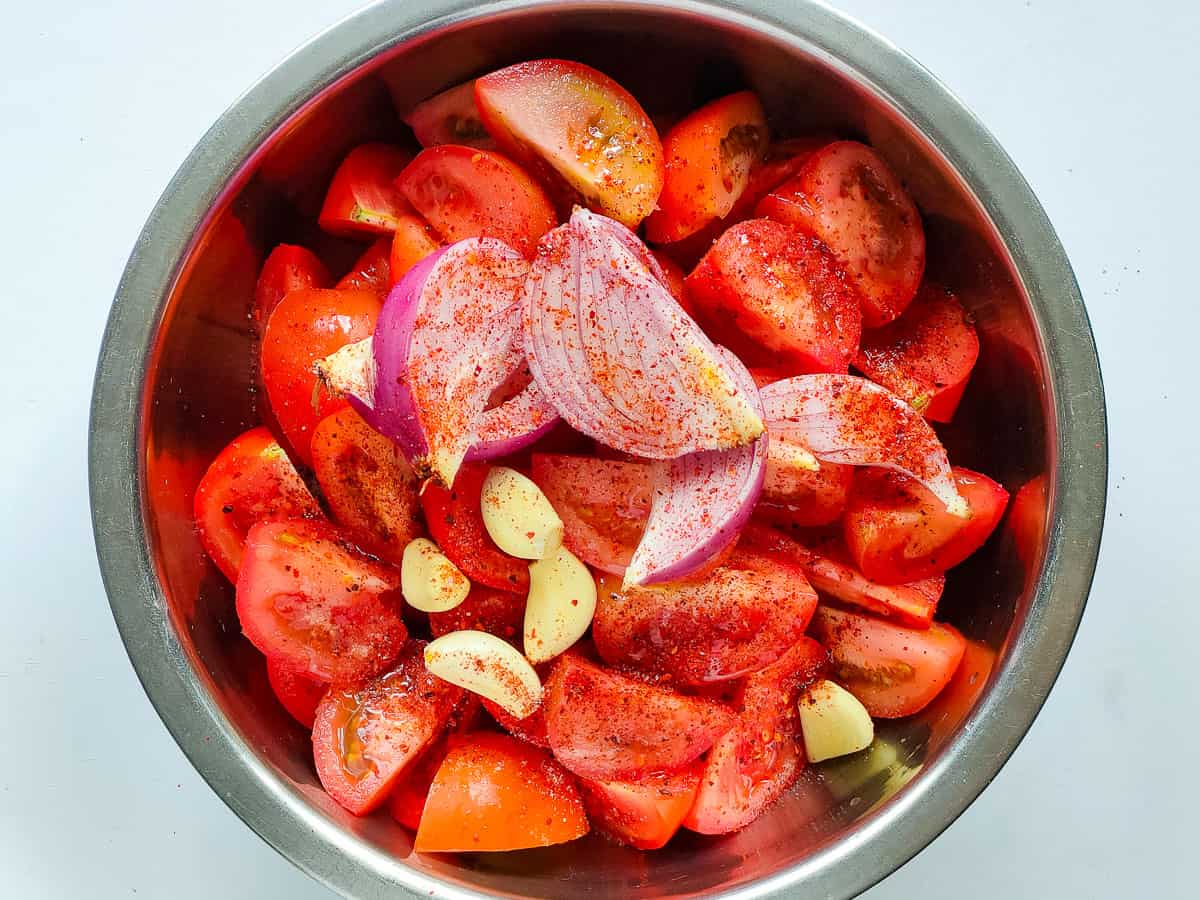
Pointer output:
x,y
98,105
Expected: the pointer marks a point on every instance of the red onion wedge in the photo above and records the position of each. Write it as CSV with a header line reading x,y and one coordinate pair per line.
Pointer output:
x,y
616,354
701,501
853,421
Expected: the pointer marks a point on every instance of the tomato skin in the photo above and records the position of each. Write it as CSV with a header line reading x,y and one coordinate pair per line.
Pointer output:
x,y
794,496
493,793
450,117
642,814
463,192
606,726
369,486
498,612
371,271
414,240
781,161
709,155
287,268
897,532
739,618
848,198
307,601
1027,520
950,707
674,280
893,671
407,801
362,200
308,325
251,480
297,693
777,297
366,736
925,356
531,729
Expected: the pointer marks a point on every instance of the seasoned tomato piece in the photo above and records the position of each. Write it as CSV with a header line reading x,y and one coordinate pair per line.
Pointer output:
x,y
287,268
894,671
306,326
366,736
898,532
369,486
740,617
1027,520
925,356
709,156
952,705
673,278
413,241
643,814
298,693
308,602
579,128
492,793
498,612
371,271
782,160
450,117
795,495
251,480
847,197
407,800
463,192
777,297
362,199
531,729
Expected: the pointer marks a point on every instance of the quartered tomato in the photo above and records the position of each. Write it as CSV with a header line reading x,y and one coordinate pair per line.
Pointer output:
x,y
362,199
498,612
369,486
450,117
407,800
306,326
252,480
740,617
413,241
795,495
948,711
366,736
926,355
605,725
287,268
643,814
579,127
371,271
754,763
463,192
457,528
898,532
531,729
894,671
298,693
492,793
709,156
603,504
782,160
777,298
1027,520
309,602
847,197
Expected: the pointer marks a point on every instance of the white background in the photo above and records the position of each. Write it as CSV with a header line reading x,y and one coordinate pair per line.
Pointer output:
x,y
1097,104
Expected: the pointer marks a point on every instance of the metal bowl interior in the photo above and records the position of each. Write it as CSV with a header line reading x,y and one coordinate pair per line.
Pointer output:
x,y
176,382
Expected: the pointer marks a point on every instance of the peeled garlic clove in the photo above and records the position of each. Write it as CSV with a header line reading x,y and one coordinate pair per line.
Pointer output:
x,y
517,515
833,721
560,606
429,581
488,666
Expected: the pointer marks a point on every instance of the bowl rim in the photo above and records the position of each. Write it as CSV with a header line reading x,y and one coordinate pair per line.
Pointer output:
x,y
883,842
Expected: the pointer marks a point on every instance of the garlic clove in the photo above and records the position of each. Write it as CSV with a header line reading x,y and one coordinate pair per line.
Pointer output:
x,y
560,606
429,581
488,666
517,515
833,721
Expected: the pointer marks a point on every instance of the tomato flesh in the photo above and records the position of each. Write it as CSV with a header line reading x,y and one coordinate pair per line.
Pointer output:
x,y
643,814
794,495
781,161
776,296
298,693
362,199
498,612
407,800
251,480
494,793
413,241
287,268
307,601
450,117
371,271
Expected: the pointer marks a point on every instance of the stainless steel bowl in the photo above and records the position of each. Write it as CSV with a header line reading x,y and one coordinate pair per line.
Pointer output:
x,y
174,383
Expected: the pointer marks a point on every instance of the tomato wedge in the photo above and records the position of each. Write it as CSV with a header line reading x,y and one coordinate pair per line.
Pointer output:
x,y
606,726
366,736
898,532
287,268
925,356
492,793
251,480
709,155
603,504
407,800
643,814
450,117
498,612
580,128
457,527
362,199
894,671
369,486
298,693
413,241
740,617
781,161
308,602
463,192
777,297
306,326
847,197
371,271
956,700
674,280
794,495
531,729
753,764
1027,521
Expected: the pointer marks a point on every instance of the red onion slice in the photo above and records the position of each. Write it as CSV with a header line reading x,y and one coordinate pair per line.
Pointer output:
x,y
701,501
853,421
613,351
